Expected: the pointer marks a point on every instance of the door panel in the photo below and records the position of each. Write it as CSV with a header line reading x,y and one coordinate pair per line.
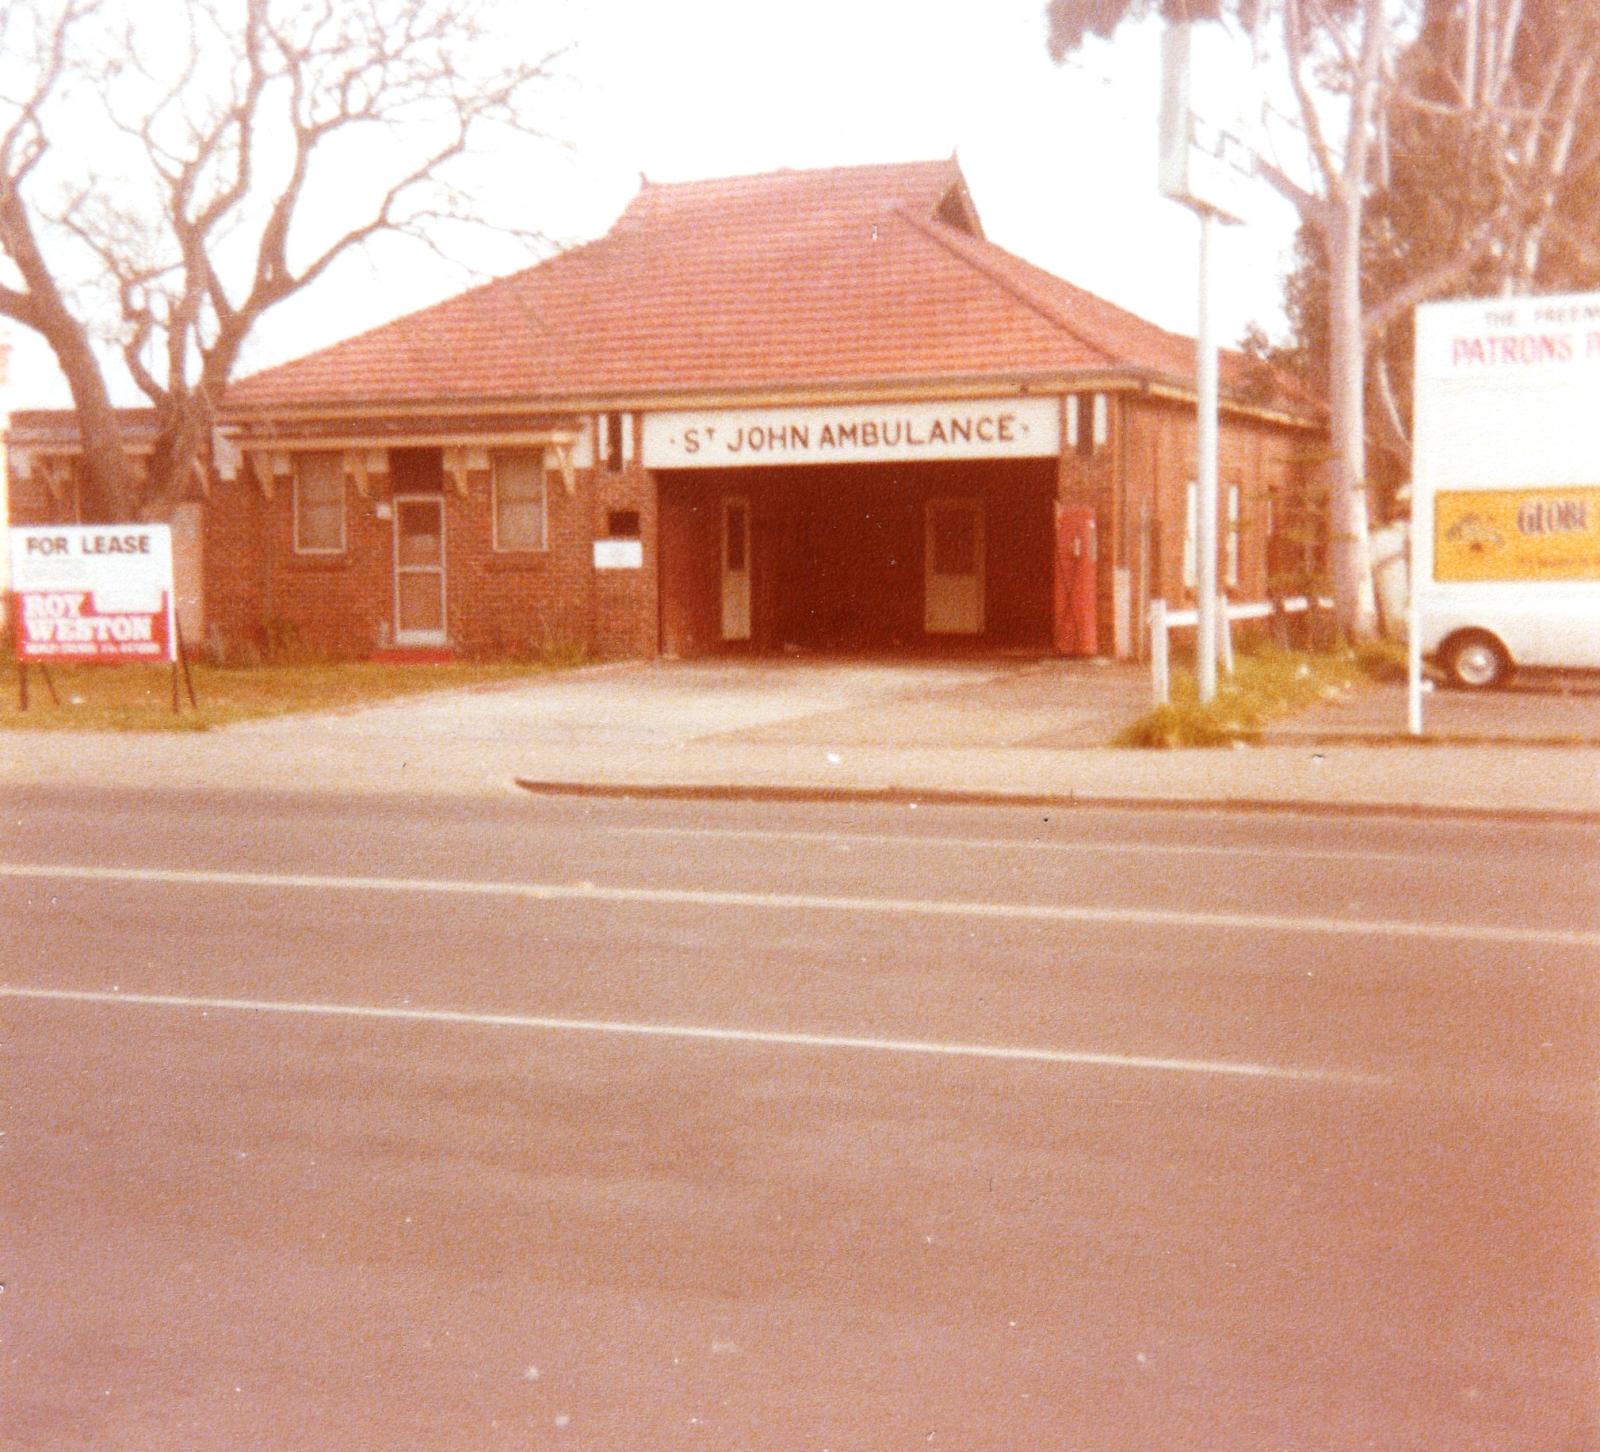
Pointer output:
x,y
419,617
735,567
954,567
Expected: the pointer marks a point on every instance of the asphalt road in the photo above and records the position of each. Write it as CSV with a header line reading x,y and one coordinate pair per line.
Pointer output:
x,y
612,1125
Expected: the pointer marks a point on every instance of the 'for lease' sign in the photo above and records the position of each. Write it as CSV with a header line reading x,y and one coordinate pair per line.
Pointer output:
x,y
93,592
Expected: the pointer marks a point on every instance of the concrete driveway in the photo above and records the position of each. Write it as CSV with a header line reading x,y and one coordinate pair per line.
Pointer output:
x,y
656,705
733,721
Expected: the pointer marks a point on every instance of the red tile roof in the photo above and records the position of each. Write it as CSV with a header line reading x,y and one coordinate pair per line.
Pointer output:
x,y
854,275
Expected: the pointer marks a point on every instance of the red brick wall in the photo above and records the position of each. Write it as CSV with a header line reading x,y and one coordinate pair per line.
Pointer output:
x,y
625,601
498,603
234,567
31,505
1158,461
512,602
332,605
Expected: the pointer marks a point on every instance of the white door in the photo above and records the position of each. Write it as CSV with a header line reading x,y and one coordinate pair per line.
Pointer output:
x,y
419,570
735,567
953,572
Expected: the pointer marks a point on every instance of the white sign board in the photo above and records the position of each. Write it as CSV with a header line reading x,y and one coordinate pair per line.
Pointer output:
x,y
1506,392
868,433
93,592
619,554
1207,136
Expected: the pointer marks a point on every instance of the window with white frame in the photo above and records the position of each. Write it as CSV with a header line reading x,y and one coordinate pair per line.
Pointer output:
x,y
1231,545
1191,532
319,504
519,500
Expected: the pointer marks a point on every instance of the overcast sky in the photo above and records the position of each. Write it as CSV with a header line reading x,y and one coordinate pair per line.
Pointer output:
x,y
1060,160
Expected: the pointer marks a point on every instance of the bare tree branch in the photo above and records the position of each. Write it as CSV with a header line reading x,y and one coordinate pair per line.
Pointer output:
x,y
225,203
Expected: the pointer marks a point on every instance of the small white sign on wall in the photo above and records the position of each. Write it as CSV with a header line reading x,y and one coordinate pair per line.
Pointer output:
x,y
618,554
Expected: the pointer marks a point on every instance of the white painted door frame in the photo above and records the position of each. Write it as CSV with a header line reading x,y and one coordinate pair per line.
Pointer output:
x,y
403,636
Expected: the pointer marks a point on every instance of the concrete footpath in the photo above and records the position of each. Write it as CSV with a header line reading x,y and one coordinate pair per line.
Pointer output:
x,y
966,730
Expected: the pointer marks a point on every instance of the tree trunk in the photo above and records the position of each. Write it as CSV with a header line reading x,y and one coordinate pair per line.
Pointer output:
x,y
1355,600
108,493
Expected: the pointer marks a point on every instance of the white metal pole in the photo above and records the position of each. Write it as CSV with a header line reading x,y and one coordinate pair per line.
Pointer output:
x,y
1160,677
1224,637
1206,473
1413,626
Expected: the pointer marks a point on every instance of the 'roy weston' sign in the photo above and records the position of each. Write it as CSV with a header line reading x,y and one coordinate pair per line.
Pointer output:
x,y
93,593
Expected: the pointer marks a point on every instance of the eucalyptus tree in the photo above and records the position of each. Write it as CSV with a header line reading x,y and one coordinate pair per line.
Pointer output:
x,y
1345,100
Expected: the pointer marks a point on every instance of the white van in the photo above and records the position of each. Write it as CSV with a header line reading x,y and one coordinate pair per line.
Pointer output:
x,y
1505,536
1479,635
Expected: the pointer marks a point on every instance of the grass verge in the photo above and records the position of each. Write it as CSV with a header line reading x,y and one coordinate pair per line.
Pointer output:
x,y
1268,683
139,697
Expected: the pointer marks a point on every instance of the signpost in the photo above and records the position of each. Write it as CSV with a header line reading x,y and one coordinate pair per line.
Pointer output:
x,y
94,594
1205,164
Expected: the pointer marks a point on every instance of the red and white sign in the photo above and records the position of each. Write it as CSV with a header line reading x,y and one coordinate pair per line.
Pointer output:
x,y
1506,339
93,592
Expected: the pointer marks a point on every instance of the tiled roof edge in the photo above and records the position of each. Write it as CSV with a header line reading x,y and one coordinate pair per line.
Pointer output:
x,y
507,280
1290,390
948,239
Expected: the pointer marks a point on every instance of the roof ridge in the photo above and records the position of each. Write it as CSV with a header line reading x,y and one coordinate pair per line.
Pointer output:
x,y
947,237
947,164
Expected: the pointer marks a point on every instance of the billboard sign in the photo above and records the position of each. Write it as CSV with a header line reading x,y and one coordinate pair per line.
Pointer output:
x,y
93,593
1517,534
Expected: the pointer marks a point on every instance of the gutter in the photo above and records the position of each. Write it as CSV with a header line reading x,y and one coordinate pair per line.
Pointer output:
x,y
773,395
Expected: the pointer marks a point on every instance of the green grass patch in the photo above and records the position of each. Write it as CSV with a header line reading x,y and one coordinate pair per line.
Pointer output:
x,y
1268,683
139,697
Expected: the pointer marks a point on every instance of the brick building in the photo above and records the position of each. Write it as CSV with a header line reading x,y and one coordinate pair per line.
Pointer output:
x,y
804,409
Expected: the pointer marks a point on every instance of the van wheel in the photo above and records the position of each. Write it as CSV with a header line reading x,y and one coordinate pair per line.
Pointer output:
x,y
1475,661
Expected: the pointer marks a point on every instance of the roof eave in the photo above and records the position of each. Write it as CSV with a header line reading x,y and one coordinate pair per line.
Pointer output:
x,y
776,393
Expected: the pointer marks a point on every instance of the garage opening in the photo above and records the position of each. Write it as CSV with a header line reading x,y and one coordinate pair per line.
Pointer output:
x,y
857,558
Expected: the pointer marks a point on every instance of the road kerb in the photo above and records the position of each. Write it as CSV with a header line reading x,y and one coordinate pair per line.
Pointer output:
x,y
836,794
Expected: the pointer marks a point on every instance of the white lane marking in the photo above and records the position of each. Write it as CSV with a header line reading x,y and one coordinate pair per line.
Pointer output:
x,y
794,901
1155,849
923,1047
